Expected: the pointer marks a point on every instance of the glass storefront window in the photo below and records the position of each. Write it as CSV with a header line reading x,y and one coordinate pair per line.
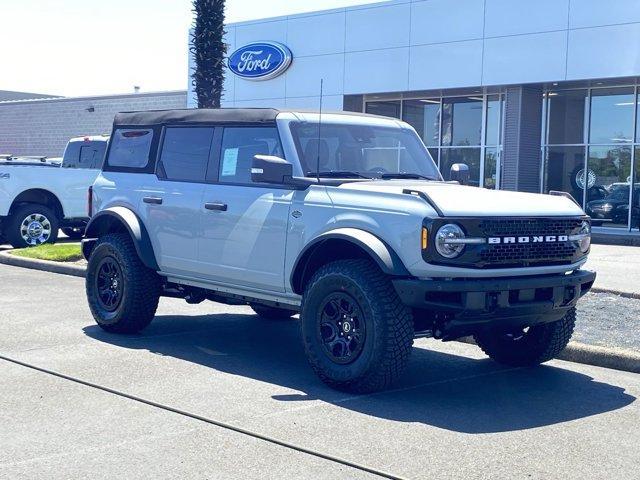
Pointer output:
x,y
564,170
461,121
470,156
490,163
424,116
638,117
635,199
609,180
492,129
566,116
386,108
612,112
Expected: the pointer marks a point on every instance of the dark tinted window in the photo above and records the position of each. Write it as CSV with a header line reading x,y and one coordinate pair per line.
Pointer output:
x,y
185,153
91,156
130,148
566,116
240,145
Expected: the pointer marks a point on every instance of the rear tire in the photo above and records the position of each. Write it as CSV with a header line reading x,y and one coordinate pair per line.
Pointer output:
x,y
74,233
356,332
537,345
272,313
31,225
122,292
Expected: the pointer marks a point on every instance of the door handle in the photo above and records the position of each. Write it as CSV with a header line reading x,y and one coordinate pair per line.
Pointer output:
x,y
222,207
153,200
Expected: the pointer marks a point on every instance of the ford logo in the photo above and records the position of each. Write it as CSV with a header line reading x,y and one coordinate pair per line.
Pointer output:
x,y
260,60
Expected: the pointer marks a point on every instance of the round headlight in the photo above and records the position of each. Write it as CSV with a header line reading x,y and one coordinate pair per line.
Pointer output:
x,y
585,242
446,241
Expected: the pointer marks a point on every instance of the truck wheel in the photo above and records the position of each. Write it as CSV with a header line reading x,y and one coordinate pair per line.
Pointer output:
x,y
356,332
31,225
530,346
74,233
272,313
122,292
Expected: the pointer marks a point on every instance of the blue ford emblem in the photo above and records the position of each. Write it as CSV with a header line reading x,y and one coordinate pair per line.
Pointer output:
x,y
260,60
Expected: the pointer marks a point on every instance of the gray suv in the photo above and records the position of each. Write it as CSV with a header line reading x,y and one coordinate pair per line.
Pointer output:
x,y
343,218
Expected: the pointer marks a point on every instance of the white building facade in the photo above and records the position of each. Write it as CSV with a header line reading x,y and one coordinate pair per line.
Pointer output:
x,y
533,95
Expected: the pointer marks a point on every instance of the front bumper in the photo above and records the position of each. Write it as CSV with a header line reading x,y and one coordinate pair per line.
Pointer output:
x,y
464,306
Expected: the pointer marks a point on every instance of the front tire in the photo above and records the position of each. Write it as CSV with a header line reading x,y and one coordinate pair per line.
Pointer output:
x,y
31,225
536,345
356,332
123,293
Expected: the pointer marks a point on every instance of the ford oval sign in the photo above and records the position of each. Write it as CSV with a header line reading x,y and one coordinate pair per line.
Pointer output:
x,y
260,60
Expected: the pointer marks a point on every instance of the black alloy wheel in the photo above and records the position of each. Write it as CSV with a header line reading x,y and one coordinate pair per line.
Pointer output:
x,y
342,329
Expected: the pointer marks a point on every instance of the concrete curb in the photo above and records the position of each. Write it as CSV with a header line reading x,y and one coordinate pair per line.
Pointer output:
x,y
633,295
606,357
43,265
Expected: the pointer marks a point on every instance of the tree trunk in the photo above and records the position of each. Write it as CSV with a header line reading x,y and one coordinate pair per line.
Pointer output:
x,y
209,51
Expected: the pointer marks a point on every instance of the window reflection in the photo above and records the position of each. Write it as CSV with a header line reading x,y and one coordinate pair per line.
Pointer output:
x,y
470,156
386,109
462,121
609,170
564,171
424,116
490,163
566,116
611,115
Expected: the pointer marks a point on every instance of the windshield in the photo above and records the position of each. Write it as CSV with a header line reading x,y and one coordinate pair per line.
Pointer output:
x,y
362,151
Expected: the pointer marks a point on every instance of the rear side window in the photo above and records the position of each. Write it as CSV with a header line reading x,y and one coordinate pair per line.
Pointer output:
x,y
91,156
130,148
240,145
185,154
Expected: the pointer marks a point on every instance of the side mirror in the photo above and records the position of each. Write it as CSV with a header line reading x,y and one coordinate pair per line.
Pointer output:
x,y
268,169
460,173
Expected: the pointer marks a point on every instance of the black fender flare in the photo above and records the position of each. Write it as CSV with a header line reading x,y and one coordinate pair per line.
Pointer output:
x,y
108,220
378,250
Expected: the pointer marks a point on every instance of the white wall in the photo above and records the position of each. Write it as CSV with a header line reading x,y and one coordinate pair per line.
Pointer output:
x,y
402,45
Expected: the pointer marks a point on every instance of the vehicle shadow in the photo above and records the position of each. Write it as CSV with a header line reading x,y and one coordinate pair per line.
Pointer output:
x,y
447,391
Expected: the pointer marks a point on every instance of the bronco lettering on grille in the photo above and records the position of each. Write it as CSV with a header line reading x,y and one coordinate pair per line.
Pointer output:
x,y
528,239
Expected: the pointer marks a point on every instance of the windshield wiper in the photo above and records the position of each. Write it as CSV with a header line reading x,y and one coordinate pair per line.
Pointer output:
x,y
337,174
389,176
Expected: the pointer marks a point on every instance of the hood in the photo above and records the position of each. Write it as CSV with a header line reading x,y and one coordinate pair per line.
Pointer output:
x,y
464,201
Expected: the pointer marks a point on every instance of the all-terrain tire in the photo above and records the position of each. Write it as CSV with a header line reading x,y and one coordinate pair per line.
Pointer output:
x,y
18,223
140,286
272,313
388,325
539,344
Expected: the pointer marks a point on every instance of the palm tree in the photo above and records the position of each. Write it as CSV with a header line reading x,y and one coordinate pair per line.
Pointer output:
x,y
209,50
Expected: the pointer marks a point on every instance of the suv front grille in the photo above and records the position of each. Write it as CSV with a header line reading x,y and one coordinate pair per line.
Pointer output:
x,y
527,253
517,254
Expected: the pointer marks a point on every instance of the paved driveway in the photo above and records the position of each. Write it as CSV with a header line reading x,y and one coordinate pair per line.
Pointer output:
x,y
455,415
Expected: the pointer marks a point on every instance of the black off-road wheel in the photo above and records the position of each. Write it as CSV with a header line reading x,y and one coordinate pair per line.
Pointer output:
x,y
272,313
31,225
356,332
123,293
530,346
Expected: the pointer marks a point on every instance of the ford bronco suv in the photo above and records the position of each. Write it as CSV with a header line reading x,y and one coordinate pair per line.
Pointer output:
x,y
343,218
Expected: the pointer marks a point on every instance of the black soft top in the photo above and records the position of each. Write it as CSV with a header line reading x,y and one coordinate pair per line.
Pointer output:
x,y
212,115
197,115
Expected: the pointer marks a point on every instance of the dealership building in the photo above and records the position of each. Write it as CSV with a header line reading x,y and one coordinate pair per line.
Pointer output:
x,y
532,95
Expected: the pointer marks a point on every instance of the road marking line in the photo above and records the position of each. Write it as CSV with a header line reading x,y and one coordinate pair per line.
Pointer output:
x,y
217,423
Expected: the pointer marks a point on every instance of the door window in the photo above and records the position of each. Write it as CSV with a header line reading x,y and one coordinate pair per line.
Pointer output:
x,y
240,145
185,154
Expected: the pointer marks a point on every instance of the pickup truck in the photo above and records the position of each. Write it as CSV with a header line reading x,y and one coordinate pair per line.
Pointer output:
x,y
38,196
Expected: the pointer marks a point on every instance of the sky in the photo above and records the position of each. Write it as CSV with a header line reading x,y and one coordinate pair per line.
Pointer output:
x,y
98,47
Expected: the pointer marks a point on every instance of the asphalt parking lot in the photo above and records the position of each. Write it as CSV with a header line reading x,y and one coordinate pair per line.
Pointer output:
x,y
454,415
